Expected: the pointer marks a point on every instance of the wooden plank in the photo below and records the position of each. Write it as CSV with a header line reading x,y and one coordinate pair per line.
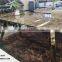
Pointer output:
x,y
58,38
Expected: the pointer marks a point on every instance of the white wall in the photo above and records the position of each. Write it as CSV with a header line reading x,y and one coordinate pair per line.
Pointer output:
x,y
25,2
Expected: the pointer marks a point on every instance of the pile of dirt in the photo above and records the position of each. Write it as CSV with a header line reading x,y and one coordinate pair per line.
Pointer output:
x,y
28,46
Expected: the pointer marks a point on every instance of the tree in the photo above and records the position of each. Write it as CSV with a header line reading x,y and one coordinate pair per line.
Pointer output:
x,y
15,4
55,0
2,2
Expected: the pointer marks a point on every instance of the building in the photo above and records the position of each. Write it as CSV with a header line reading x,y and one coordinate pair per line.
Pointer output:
x,y
35,3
